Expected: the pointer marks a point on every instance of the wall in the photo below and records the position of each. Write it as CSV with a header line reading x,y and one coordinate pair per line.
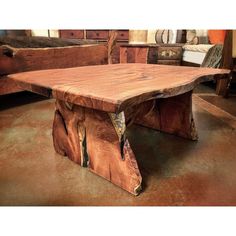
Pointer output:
x,y
138,36
45,33
151,36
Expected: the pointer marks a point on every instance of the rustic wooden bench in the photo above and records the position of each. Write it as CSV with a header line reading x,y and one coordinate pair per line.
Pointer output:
x,y
96,104
14,60
39,53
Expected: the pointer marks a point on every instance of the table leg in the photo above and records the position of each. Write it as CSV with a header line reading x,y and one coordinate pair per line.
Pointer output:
x,y
97,139
172,115
68,135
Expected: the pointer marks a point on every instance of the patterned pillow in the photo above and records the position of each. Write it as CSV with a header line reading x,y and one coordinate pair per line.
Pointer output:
x,y
217,36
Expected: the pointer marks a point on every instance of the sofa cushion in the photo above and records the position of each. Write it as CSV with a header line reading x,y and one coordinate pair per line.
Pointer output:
x,y
195,53
198,47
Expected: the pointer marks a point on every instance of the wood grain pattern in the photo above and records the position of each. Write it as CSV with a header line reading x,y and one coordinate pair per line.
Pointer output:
x,y
137,55
95,105
133,54
123,35
171,115
169,62
67,137
42,42
89,138
111,45
97,34
115,55
113,88
123,54
72,34
97,139
15,60
35,58
8,86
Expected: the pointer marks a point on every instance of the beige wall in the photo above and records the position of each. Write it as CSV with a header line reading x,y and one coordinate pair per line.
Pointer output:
x,y
138,36
142,36
45,33
151,36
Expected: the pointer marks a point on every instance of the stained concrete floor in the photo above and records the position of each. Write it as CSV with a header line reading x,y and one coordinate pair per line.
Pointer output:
x,y
175,171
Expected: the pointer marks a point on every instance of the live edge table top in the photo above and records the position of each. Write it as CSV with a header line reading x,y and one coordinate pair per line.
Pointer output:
x,y
114,87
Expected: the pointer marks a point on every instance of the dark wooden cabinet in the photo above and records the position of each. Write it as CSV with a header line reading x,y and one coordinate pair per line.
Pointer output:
x,y
72,34
123,35
132,53
166,54
169,52
97,34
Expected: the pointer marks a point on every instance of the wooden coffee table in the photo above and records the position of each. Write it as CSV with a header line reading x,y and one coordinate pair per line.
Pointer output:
x,y
96,104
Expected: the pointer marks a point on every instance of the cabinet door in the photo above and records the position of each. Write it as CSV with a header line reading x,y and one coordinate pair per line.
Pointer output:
x,y
97,34
169,53
123,35
72,34
133,54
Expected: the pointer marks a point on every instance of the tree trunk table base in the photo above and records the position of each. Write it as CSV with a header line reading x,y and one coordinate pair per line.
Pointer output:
x,y
96,104
97,139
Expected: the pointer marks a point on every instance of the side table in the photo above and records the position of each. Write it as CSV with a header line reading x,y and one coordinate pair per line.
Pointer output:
x,y
165,54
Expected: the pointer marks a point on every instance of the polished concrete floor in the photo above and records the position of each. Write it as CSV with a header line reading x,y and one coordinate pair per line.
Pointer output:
x,y
175,171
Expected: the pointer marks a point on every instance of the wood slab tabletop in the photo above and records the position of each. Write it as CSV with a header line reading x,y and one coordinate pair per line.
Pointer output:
x,y
114,87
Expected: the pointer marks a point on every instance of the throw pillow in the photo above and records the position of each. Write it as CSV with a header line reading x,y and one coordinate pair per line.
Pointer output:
x,y
216,36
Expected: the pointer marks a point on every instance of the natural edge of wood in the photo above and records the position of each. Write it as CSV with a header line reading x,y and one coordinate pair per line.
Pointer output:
x,y
8,86
167,92
171,115
15,60
97,140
